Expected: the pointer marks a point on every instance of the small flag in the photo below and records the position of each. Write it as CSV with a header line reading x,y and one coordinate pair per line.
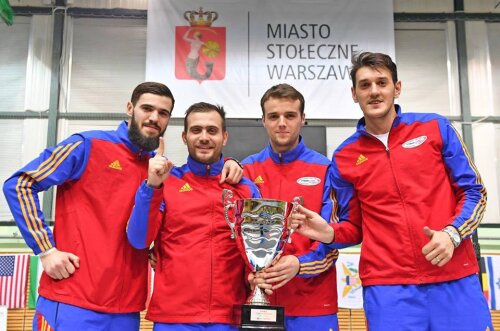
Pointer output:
x,y
35,274
13,277
6,12
492,280
348,283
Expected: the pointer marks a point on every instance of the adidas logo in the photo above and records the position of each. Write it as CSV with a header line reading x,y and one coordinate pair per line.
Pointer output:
x,y
186,188
258,180
115,165
361,159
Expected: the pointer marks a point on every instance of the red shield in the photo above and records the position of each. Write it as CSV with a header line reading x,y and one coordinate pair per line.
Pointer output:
x,y
200,53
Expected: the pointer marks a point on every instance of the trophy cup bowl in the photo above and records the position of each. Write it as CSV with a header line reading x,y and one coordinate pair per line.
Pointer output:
x,y
260,228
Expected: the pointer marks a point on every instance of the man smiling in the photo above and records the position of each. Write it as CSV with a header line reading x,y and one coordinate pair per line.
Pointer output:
x,y
88,262
406,188
285,169
200,275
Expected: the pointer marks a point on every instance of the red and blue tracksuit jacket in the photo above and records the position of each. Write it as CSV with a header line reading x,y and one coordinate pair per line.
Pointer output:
x,y
385,196
300,172
200,275
97,174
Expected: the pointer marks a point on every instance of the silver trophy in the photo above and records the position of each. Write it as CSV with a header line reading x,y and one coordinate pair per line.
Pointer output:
x,y
260,229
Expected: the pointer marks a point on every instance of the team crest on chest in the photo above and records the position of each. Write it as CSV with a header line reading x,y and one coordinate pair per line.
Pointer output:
x,y
415,142
115,165
186,188
258,180
361,159
308,181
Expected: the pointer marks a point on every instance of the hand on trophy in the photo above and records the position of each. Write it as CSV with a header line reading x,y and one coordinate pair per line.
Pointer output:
x,y
281,271
256,279
311,225
159,167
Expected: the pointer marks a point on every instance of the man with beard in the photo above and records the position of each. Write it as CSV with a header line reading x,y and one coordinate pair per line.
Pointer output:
x,y
93,279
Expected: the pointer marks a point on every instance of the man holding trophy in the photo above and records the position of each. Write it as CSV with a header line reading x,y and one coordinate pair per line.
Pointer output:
x,y
260,228
287,168
200,274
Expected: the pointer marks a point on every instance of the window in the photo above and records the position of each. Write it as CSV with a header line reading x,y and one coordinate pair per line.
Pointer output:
x,y
487,160
494,50
426,59
107,62
13,61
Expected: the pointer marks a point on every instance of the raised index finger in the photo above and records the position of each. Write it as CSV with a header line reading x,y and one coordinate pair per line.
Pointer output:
x,y
161,148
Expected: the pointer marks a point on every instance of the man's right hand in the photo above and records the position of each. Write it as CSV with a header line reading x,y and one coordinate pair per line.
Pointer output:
x,y
159,167
311,225
59,265
152,258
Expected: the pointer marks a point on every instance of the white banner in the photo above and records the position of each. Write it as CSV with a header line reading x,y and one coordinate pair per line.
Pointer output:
x,y
230,52
3,318
349,288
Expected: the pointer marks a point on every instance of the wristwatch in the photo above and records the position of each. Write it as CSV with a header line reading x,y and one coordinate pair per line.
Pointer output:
x,y
454,235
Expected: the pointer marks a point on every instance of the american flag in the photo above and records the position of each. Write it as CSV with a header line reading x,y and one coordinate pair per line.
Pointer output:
x,y
13,277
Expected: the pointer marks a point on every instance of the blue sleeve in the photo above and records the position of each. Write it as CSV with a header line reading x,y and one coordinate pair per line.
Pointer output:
x,y
146,216
55,166
346,218
254,190
469,189
324,256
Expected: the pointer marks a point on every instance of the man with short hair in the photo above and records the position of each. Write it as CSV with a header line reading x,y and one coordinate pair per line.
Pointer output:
x,y
199,273
93,279
287,168
406,186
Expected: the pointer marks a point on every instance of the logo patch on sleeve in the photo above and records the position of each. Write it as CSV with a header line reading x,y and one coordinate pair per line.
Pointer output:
x,y
308,181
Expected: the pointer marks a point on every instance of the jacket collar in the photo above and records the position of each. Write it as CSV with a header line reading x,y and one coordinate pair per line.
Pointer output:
x,y
287,157
202,169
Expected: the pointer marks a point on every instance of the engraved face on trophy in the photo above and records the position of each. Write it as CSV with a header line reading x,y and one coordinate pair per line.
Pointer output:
x,y
263,228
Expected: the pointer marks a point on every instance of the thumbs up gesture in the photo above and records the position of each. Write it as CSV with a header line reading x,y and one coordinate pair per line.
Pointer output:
x,y
159,167
439,250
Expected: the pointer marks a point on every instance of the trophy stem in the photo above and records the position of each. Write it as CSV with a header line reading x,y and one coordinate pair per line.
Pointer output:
x,y
258,298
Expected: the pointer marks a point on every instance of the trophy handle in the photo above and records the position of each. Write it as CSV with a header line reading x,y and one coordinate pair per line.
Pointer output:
x,y
226,195
296,202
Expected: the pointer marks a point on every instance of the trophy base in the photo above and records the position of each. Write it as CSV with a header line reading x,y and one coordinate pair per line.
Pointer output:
x,y
255,317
